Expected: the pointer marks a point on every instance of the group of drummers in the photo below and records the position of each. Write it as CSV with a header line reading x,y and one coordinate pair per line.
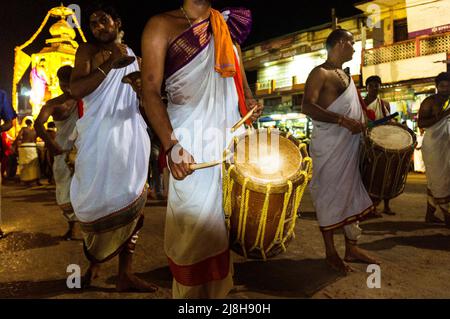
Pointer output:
x,y
358,156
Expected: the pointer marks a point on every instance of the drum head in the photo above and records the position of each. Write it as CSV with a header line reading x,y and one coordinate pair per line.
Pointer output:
x,y
265,158
391,137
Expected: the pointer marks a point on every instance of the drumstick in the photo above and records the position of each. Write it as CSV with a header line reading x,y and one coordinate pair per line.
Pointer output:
x,y
383,120
243,120
195,167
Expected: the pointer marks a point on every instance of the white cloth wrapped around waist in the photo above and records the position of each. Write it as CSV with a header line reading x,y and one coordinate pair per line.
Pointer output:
x,y
202,109
27,153
336,186
436,155
113,149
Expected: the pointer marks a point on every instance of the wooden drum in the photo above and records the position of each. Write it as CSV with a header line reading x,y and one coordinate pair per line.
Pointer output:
x,y
385,159
264,182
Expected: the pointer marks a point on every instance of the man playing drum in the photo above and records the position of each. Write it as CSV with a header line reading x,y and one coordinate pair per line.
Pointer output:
x,y
192,50
434,117
65,112
381,109
339,196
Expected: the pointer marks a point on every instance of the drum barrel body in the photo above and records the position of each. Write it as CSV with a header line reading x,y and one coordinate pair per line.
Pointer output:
x,y
250,225
384,171
261,217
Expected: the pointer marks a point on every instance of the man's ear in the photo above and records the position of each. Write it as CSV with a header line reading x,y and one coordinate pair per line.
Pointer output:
x,y
119,23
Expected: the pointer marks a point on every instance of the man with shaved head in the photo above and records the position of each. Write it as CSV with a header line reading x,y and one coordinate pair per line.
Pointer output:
x,y
339,196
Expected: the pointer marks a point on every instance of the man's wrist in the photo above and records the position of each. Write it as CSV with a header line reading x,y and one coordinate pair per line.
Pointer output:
x,y
168,150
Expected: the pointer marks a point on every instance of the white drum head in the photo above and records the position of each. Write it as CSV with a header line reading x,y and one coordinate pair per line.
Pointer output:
x,y
391,137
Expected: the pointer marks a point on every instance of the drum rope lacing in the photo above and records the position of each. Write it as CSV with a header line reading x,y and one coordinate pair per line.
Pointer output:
x,y
280,236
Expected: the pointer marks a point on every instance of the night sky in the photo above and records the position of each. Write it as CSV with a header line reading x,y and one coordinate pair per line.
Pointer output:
x,y
19,19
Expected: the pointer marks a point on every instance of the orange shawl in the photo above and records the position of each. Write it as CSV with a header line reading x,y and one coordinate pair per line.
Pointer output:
x,y
226,62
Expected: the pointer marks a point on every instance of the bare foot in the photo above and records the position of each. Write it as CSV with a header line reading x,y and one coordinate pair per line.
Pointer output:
x,y
356,254
432,219
131,283
151,194
447,220
91,274
335,262
70,234
388,212
374,214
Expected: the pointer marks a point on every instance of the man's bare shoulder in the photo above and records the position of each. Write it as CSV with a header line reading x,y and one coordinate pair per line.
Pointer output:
x,y
163,21
58,101
87,49
429,101
319,72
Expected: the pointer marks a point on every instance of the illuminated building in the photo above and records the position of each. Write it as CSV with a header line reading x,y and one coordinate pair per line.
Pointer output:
x,y
60,51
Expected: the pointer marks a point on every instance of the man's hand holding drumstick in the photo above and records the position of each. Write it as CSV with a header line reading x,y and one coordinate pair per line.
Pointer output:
x,y
251,103
179,161
182,164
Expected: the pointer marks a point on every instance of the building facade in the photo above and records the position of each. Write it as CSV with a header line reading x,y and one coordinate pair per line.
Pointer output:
x,y
402,41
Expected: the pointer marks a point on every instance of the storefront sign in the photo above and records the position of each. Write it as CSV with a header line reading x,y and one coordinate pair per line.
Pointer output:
x,y
427,17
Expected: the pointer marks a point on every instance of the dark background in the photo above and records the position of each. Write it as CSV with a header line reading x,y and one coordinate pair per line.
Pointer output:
x,y
19,19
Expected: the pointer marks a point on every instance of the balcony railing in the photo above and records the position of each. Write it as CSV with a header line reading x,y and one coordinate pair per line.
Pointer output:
x,y
408,49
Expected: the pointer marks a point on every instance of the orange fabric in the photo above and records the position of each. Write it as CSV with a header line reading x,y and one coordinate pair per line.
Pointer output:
x,y
240,90
223,46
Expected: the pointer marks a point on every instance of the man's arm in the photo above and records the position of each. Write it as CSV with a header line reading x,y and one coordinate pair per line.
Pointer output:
x,y
19,138
154,49
84,80
313,87
47,111
426,118
249,99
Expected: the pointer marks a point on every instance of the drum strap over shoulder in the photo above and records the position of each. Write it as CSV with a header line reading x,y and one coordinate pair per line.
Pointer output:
x,y
383,108
446,104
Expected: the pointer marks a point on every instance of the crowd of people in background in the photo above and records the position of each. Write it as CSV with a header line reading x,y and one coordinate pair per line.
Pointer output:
x,y
11,169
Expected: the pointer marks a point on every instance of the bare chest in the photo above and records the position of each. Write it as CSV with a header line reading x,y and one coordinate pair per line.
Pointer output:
x,y
64,111
334,86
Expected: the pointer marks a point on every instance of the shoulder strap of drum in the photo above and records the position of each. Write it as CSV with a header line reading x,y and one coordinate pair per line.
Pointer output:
x,y
383,107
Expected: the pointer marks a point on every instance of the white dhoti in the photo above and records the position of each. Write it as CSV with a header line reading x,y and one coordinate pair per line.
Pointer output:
x,y
61,171
436,155
339,195
29,170
419,164
202,107
108,187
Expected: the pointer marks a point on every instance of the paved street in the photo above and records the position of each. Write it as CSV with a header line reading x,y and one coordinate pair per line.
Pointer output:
x,y
415,256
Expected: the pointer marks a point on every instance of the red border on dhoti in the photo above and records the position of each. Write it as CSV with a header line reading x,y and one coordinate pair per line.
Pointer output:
x,y
211,269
